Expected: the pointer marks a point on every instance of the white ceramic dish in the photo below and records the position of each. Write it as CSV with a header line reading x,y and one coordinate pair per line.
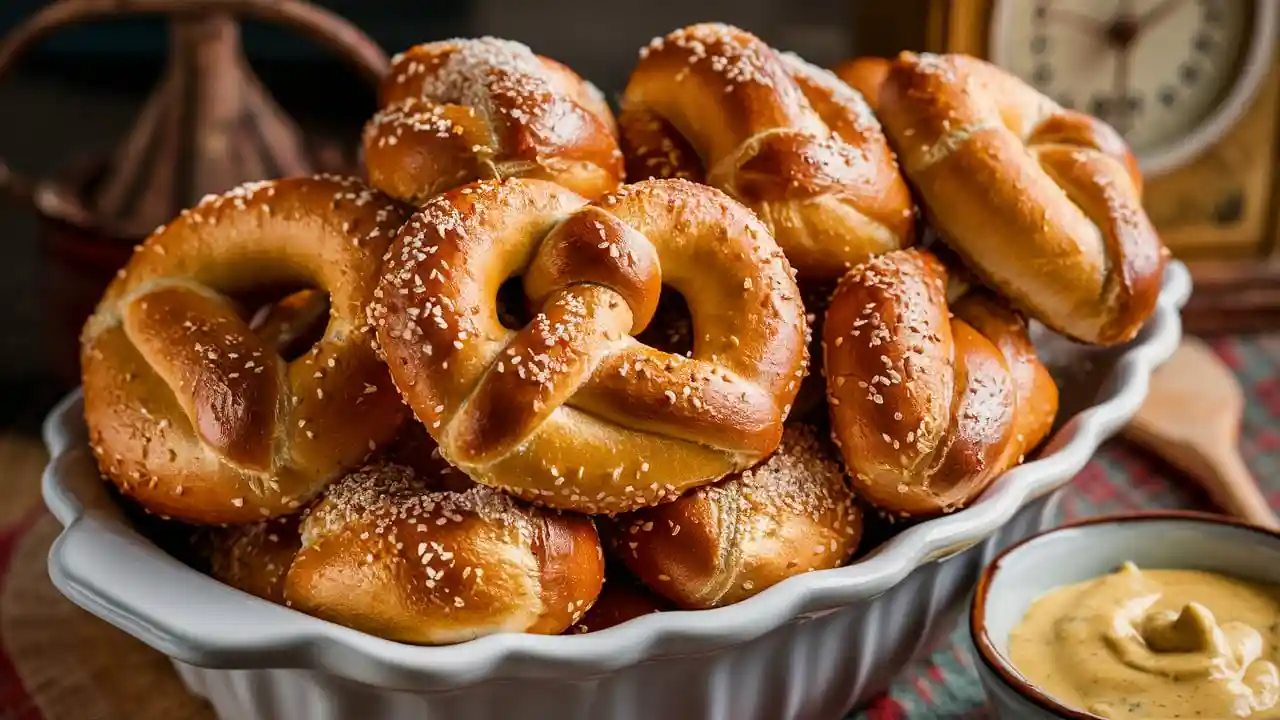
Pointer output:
x,y
1086,550
813,646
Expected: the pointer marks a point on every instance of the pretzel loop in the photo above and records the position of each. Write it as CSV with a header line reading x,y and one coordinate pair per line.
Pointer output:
x,y
199,418
594,246
587,319
186,333
1043,203
789,140
572,411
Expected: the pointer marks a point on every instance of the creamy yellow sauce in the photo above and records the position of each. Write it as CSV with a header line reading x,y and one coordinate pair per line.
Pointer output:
x,y
1156,644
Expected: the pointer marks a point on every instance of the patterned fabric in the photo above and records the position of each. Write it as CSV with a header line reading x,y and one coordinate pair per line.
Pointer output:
x,y
946,685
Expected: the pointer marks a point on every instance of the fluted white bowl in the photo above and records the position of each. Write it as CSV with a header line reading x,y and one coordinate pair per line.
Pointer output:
x,y
812,646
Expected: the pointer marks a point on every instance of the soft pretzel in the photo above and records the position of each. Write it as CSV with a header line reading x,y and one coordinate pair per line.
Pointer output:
x,y
929,400
1043,203
571,411
462,110
866,75
256,557
789,140
387,553
623,598
722,543
195,416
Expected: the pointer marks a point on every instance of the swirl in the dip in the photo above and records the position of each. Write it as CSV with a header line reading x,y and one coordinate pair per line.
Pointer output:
x,y
1153,644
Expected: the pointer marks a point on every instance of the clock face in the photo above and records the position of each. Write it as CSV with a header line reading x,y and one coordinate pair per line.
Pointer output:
x,y
1156,70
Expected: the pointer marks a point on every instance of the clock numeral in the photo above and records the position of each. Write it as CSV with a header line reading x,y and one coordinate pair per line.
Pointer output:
x,y
1042,75
1203,43
1189,74
1168,97
1039,44
1042,10
1099,107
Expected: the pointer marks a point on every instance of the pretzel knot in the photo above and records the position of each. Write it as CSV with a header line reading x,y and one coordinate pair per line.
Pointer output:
x,y
462,110
199,418
789,140
571,411
930,399
1043,203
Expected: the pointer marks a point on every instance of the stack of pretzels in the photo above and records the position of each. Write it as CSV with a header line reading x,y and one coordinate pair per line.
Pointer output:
x,y
689,349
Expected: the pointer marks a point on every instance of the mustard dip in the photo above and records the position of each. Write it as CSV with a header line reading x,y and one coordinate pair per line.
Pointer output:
x,y
1156,644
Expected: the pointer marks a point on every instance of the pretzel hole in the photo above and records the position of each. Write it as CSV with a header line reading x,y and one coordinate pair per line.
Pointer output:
x,y
671,329
513,307
290,320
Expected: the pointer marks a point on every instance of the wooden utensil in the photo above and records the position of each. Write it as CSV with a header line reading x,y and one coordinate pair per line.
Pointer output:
x,y
1192,419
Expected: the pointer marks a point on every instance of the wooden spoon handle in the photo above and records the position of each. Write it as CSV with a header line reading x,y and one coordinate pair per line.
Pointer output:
x,y
1226,477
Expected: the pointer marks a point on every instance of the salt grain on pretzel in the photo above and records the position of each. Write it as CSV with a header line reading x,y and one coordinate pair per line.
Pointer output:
x,y
571,411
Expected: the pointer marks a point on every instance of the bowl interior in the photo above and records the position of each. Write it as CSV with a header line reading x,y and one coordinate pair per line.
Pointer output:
x,y
1086,551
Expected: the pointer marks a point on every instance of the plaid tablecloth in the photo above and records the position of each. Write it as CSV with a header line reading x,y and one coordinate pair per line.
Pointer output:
x,y
58,663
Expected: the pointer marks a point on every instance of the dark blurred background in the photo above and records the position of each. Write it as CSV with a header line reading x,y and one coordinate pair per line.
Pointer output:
x,y
77,93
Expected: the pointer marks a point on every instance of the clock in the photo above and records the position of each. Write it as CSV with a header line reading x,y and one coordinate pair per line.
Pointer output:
x,y
1192,85
1172,76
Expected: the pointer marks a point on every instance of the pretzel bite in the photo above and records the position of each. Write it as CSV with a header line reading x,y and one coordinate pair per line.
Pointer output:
x,y
1043,203
474,109
715,104
387,553
199,418
723,543
930,400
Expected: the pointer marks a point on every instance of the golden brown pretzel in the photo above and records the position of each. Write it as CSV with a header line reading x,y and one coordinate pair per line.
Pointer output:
x,y
789,140
929,400
462,110
623,598
198,418
1043,203
571,411
866,75
387,553
255,558
722,543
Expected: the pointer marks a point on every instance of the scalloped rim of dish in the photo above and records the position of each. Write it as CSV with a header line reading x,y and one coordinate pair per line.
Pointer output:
x,y
294,640
999,665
